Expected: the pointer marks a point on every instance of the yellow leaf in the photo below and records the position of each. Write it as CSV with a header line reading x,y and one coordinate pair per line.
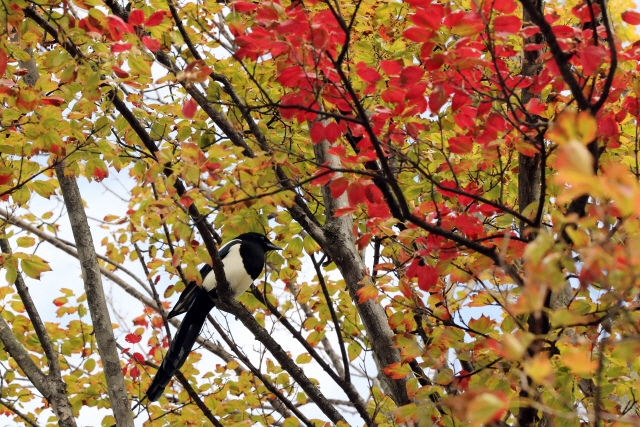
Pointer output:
x,y
26,242
579,362
303,358
486,407
290,422
539,369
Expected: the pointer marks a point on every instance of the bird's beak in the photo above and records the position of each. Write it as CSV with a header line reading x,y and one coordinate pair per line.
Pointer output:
x,y
273,247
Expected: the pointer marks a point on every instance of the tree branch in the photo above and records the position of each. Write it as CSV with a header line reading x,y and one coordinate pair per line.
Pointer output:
x,y
235,308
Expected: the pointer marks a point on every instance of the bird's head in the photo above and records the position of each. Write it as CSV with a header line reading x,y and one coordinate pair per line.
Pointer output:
x,y
259,239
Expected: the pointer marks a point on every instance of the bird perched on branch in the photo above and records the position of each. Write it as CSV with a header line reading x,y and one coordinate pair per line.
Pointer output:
x,y
243,259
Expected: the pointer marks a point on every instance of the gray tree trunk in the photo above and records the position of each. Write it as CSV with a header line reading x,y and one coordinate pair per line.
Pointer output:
x,y
341,246
96,300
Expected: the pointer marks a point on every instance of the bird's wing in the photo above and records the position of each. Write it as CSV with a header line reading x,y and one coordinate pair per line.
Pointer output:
x,y
188,295
193,290
224,250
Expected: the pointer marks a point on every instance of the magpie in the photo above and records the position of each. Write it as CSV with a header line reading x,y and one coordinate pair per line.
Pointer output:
x,y
243,259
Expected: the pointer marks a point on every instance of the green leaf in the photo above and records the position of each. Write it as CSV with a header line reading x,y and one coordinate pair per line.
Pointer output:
x,y
34,266
43,188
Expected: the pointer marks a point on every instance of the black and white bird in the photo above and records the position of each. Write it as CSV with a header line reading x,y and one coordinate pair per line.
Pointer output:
x,y
243,259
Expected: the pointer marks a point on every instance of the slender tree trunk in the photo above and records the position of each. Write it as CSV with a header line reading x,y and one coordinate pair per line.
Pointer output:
x,y
96,300
341,246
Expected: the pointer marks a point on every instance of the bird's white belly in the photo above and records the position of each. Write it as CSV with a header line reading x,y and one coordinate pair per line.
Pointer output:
x,y
234,270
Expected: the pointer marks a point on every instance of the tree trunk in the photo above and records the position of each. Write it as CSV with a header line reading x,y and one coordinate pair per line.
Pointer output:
x,y
341,247
92,278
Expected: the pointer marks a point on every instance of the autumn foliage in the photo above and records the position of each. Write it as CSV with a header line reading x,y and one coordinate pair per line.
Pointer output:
x,y
455,185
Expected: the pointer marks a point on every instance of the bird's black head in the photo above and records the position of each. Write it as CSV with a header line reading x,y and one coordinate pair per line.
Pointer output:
x,y
259,239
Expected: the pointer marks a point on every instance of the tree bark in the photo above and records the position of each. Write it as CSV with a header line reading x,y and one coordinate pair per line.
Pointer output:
x,y
529,167
340,245
96,300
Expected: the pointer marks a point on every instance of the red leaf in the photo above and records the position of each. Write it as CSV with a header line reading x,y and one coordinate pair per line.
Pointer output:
x,y
53,100
417,34
340,150
120,47
5,178
507,24
134,372
631,17
339,186
289,77
430,19
534,106
504,6
488,210
344,211
592,58
322,177
460,145
132,338
138,358
496,122
632,105
367,74
459,100
608,127
117,27
411,74
320,132
355,192
373,194
186,200
156,18
244,6
427,278
332,132
392,68
120,73
189,109
317,133
136,17
363,241
461,383
152,44
3,62
530,31
124,350
437,100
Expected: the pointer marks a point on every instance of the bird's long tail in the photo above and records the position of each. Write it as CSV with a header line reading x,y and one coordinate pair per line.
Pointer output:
x,y
181,345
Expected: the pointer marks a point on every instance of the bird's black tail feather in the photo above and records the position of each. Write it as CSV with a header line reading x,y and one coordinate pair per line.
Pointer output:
x,y
182,344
